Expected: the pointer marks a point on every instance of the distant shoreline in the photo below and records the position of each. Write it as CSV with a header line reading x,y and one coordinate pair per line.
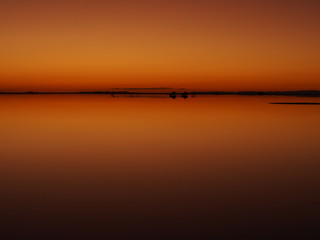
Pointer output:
x,y
299,93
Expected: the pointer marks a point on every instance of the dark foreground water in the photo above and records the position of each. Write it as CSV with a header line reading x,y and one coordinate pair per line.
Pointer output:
x,y
96,167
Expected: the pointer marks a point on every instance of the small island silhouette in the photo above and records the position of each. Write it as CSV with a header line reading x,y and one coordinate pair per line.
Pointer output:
x,y
296,103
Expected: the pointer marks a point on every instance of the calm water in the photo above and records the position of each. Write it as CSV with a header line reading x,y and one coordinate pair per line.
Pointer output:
x,y
124,168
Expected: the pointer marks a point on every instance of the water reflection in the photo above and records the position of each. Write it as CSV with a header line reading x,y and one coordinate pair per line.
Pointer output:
x,y
121,168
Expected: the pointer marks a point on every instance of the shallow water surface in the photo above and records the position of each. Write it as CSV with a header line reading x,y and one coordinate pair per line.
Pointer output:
x,y
94,166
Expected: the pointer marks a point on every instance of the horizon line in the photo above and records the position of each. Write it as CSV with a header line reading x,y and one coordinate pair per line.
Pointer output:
x,y
311,93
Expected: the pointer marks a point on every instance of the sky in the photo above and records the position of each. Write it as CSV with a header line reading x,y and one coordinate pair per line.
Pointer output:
x,y
59,45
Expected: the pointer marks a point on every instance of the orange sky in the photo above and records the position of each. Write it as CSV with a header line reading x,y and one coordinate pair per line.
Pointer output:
x,y
198,44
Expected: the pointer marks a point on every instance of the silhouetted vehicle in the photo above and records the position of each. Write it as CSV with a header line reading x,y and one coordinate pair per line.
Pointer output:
x,y
173,95
184,95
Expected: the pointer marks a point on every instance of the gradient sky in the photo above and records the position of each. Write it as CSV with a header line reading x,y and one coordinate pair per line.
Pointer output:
x,y
199,44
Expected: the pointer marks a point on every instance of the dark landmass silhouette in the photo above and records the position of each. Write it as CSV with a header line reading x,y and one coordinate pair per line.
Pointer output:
x,y
174,95
184,94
